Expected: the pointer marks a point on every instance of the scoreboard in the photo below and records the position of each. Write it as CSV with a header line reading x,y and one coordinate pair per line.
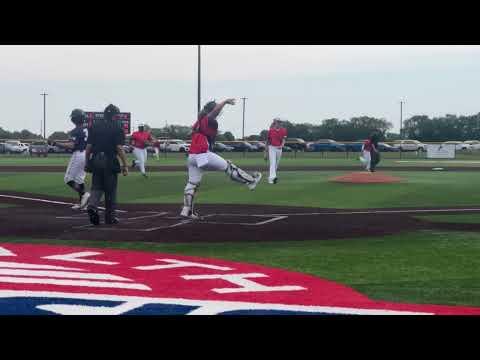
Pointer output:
x,y
124,118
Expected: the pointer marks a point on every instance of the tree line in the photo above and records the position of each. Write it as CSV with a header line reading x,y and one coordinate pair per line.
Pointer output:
x,y
419,127
448,127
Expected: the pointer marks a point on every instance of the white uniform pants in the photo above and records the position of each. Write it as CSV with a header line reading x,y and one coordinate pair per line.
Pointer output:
x,y
367,159
274,156
76,168
197,163
141,158
157,153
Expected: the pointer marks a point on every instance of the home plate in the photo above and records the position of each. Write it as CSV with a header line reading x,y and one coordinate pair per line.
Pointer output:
x,y
366,178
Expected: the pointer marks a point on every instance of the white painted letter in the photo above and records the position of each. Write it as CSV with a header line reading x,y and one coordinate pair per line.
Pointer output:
x,y
245,285
74,257
180,264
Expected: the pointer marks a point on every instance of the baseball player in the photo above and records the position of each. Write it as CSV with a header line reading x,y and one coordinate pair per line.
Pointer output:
x,y
275,142
156,147
370,156
140,140
201,157
75,174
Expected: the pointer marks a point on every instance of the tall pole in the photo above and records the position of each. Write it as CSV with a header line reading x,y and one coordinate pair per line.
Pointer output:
x,y
243,127
199,71
44,115
401,119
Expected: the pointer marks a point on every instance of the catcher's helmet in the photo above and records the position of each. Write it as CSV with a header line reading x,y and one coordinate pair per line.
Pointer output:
x,y
110,111
78,116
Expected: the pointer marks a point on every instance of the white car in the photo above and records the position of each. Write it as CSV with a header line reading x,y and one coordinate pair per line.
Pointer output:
x,y
14,147
474,144
174,145
410,145
458,145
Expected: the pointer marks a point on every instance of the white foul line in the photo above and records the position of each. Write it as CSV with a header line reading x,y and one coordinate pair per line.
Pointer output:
x,y
47,201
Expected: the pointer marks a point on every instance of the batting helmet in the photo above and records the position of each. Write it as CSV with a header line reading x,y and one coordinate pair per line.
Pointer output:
x,y
78,116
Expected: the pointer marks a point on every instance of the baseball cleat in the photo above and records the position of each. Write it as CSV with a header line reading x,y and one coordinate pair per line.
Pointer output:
x,y
189,214
133,164
84,200
93,216
257,176
112,221
275,180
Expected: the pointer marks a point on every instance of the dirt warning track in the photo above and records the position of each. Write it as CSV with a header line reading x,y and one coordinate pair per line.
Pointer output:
x,y
39,216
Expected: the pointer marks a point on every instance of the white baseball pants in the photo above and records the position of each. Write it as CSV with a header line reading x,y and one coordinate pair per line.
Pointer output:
x,y
76,168
141,158
197,163
274,156
367,159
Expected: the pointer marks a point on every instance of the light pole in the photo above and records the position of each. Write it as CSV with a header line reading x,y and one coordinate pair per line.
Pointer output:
x,y
243,127
401,119
199,71
44,114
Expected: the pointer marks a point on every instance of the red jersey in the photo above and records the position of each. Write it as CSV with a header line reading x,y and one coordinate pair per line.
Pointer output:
x,y
276,136
204,132
368,145
139,138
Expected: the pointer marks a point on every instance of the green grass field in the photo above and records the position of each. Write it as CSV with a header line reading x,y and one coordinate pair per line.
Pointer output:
x,y
256,159
437,267
311,189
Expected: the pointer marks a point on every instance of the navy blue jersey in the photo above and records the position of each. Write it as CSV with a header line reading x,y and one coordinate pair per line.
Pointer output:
x,y
79,138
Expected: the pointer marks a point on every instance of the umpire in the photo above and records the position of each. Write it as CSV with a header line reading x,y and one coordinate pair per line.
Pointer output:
x,y
104,146
375,138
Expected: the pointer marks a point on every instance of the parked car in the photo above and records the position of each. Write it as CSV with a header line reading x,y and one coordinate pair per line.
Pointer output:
x,y
257,145
409,145
39,148
221,147
459,146
326,145
354,146
241,146
2,148
287,149
174,145
14,147
475,144
387,148
296,144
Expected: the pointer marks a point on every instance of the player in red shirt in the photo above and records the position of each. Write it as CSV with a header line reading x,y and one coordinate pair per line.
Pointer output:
x,y
202,158
275,143
140,140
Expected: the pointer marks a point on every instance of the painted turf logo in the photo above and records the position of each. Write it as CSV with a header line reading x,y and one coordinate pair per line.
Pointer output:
x,y
43,280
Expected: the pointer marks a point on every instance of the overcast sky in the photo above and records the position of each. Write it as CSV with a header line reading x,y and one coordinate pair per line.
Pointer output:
x,y
301,83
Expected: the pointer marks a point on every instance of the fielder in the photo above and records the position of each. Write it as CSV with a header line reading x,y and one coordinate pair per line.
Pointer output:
x,y
75,174
275,143
140,140
202,158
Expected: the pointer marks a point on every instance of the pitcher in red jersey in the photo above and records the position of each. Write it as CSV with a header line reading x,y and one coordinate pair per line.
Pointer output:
x,y
201,156
275,142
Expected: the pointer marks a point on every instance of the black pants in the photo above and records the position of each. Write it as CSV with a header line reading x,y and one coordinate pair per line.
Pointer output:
x,y
104,181
375,160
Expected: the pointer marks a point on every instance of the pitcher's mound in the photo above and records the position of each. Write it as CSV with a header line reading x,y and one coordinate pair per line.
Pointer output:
x,y
366,178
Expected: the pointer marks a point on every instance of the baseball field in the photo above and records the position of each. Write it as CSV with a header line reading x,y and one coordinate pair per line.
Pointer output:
x,y
415,241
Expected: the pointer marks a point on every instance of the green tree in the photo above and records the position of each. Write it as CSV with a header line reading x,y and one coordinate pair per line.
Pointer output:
x,y
59,135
